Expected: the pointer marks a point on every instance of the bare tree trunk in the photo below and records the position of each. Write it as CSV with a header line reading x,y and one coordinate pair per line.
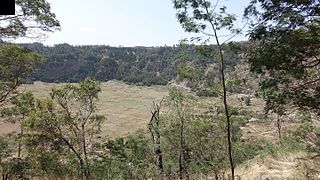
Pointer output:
x,y
158,151
156,136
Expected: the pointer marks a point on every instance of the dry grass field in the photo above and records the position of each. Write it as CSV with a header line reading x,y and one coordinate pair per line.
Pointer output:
x,y
127,107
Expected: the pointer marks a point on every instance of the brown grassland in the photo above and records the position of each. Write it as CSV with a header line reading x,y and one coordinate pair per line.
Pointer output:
x,y
126,107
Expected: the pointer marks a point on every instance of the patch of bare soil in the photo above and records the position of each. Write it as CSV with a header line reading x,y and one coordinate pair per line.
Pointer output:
x,y
6,127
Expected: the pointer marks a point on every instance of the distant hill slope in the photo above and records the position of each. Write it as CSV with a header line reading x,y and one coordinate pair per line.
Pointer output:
x,y
134,65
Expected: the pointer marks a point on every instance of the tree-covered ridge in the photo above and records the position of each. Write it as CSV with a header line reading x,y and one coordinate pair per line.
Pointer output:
x,y
66,63
136,65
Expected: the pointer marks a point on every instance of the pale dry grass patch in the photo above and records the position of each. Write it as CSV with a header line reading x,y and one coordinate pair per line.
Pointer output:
x,y
126,107
292,166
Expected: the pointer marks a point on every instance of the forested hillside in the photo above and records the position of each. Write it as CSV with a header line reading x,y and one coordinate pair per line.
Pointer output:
x,y
136,65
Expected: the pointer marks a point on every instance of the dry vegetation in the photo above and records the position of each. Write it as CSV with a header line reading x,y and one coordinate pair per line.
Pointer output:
x,y
127,107
299,165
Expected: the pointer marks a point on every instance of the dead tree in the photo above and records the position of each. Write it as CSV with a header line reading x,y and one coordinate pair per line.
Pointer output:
x,y
155,133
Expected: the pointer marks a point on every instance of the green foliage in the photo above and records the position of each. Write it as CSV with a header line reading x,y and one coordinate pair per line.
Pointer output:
x,y
246,99
136,65
276,98
3,147
189,73
248,150
10,166
285,38
309,135
233,84
15,62
203,144
206,139
305,115
31,17
128,158
67,123
208,92
194,15
22,105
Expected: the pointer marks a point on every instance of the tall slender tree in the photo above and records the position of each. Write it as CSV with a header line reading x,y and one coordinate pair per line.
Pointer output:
x,y
201,16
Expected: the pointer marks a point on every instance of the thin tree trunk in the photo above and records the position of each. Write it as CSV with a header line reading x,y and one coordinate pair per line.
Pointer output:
x,y
224,98
180,152
76,153
227,116
158,153
19,143
279,125
158,143
87,166
20,146
226,107
183,152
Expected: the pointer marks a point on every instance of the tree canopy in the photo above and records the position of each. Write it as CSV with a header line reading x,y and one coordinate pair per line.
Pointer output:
x,y
285,47
32,19
15,62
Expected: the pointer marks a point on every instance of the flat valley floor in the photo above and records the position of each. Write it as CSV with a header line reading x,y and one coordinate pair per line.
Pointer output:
x,y
126,107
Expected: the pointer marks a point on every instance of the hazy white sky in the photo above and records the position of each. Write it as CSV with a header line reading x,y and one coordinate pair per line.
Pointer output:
x,y
121,22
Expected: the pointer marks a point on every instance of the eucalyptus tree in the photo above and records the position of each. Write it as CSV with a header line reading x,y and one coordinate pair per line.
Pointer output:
x,y
276,100
285,43
69,120
180,105
15,62
201,16
23,104
32,19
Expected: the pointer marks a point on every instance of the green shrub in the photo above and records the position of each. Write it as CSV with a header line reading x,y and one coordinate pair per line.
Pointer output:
x,y
244,151
309,135
207,93
304,115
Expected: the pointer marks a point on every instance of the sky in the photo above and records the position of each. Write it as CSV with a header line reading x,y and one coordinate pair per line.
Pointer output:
x,y
122,22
